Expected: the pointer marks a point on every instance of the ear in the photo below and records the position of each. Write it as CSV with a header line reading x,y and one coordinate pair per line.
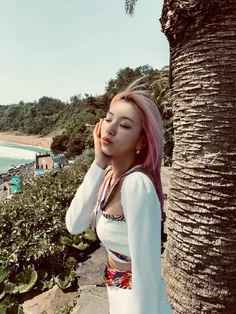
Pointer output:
x,y
142,142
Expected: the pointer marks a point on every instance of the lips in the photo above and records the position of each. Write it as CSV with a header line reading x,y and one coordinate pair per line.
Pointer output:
x,y
106,140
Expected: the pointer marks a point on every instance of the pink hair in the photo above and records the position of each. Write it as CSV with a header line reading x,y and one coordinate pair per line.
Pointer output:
x,y
151,157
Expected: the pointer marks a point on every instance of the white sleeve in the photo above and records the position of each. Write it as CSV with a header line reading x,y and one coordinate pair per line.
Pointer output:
x,y
79,214
142,211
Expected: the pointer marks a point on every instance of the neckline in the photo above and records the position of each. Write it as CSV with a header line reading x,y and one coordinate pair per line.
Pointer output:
x,y
105,198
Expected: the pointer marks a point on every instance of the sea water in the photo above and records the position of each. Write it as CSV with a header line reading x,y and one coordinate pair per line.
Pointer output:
x,y
12,154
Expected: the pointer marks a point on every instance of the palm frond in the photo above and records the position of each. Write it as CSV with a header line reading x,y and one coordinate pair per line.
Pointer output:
x,y
129,6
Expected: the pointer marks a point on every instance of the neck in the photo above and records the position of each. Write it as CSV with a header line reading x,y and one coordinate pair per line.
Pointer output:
x,y
120,165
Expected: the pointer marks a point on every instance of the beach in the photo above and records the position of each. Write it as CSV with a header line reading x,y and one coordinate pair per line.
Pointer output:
x,y
26,169
34,140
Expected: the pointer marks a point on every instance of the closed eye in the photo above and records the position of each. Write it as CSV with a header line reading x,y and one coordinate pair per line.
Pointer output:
x,y
125,126
122,125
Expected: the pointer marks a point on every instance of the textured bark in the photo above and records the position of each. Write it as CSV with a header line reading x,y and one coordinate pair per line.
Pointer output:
x,y
200,264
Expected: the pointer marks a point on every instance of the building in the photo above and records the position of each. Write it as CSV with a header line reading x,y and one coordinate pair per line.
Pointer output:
x,y
45,162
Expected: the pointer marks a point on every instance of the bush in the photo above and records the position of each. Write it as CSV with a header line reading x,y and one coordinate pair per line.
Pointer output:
x,y
36,249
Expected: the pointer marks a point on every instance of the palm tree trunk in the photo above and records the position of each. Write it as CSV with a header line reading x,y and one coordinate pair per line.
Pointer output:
x,y
200,266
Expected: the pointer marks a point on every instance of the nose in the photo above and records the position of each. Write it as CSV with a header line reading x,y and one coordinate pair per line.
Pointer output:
x,y
111,129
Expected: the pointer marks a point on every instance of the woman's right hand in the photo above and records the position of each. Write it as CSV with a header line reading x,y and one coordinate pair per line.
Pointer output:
x,y
101,159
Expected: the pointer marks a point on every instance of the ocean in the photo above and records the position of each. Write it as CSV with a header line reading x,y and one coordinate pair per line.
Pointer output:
x,y
12,154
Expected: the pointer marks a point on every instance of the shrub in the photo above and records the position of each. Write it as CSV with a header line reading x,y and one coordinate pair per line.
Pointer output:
x,y
36,249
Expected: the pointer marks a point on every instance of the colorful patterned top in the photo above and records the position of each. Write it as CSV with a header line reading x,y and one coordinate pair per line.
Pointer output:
x,y
120,279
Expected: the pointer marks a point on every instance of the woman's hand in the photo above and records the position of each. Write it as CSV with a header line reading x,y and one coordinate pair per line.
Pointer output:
x,y
101,159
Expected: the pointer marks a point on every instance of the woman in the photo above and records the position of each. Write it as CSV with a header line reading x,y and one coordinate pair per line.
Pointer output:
x,y
124,203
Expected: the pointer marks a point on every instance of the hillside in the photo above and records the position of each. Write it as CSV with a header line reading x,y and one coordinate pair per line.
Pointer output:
x,y
70,123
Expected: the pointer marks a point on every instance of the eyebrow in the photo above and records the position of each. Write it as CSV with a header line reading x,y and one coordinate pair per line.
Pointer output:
x,y
123,117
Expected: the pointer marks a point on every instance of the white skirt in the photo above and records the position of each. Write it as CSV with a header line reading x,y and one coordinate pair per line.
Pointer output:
x,y
120,300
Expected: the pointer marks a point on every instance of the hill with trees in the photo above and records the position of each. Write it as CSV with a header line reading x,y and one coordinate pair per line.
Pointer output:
x,y
74,120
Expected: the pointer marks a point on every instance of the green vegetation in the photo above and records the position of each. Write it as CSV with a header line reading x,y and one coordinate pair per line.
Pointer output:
x,y
31,118
74,121
36,249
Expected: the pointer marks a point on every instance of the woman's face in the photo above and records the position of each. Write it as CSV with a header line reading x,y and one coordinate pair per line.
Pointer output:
x,y
121,130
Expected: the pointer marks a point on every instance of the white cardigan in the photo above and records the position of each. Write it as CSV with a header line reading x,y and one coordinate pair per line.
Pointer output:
x,y
138,237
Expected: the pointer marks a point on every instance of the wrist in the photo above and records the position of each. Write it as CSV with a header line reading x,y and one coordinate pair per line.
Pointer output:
x,y
101,164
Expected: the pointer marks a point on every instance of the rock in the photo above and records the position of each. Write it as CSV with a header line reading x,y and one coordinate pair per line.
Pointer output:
x,y
91,271
90,274
48,301
93,293
92,300
24,171
3,191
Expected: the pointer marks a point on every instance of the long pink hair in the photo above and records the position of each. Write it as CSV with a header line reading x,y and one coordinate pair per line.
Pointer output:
x,y
151,156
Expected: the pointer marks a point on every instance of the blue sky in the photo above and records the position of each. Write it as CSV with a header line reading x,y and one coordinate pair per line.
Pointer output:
x,y
60,48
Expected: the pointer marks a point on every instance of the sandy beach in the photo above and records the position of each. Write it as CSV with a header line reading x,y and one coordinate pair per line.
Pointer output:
x,y
34,140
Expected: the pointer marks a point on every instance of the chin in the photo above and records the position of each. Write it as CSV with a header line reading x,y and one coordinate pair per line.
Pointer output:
x,y
106,152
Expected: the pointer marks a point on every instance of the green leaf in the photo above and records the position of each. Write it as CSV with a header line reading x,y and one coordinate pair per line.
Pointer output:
x,y
77,239
90,235
3,308
10,306
65,279
2,291
70,262
65,240
9,287
25,280
48,284
81,246
3,273
15,309
45,280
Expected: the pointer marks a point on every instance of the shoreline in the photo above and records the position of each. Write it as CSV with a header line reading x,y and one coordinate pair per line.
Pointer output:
x,y
34,140
22,171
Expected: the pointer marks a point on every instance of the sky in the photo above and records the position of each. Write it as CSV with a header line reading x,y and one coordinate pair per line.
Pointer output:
x,y
62,48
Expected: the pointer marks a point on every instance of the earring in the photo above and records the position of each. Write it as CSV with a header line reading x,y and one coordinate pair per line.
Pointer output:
x,y
137,152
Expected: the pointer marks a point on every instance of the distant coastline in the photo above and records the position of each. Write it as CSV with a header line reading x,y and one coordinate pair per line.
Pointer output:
x,y
25,169
34,140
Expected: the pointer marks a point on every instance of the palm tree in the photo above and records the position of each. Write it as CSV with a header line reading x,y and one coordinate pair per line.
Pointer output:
x,y
200,264
129,6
